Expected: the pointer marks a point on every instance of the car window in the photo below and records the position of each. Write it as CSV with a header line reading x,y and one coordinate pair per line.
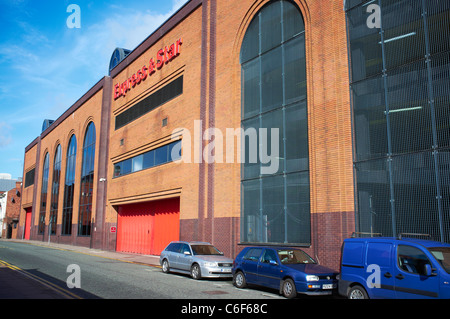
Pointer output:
x,y
412,259
174,247
294,256
442,254
185,248
268,256
253,254
205,250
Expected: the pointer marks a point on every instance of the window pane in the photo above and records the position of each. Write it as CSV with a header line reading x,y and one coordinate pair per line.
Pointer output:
x,y
295,70
250,147
174,151
296,138
137,163
161,155
126,166
298,208
270,26
251,221
250,88
373,193
370,119
292,21
404,38
149,159
271,147
438,19
365,48
272,81
250,45
273,229
409,110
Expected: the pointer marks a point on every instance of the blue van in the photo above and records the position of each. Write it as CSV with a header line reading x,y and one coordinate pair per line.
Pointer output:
x,y
386,267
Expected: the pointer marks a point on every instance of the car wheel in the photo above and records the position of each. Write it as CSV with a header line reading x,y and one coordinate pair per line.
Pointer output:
x,y
165,266
357,292
196,272
239,280
288,288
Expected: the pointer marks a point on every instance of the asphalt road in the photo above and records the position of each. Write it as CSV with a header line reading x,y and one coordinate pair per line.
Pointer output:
x,y
107,278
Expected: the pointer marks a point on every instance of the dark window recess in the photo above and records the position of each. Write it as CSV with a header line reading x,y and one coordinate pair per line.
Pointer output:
x,y
29,178
163,95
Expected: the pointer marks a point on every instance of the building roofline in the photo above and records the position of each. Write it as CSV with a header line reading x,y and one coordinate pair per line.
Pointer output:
x,y
156,35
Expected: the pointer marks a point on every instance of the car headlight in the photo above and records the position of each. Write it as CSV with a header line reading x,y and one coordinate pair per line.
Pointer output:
x,y
312,278
210,264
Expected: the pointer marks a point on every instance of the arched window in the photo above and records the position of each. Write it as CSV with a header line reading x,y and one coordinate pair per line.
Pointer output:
x,y
275,206
69,186
55,190
44,186
87,182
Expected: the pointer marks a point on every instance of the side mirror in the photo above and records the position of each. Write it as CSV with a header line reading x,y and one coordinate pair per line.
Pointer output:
x,y
429,270
187,253
273,262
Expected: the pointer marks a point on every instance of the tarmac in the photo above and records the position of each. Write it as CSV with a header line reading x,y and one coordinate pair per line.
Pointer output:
x,y
17,284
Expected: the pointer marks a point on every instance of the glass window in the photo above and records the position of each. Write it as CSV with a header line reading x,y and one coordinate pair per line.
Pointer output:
x,y
161,155
87,182
44,186
149,159
253,254
69,186
268,256
55,190
412,259
275,130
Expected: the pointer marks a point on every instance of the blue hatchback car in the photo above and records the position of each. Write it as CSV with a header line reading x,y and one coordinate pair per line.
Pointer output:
x,y
388,268
290,270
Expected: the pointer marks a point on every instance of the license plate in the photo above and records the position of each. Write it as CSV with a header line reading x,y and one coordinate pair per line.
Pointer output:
x,y
329,286
225,270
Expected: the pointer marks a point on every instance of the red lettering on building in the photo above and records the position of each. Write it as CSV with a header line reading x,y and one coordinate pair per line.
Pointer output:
x,y
164,56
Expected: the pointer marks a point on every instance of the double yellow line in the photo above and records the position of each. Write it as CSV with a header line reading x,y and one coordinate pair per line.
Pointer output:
x,y
48,284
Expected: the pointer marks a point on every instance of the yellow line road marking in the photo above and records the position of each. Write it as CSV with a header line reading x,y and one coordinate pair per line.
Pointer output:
x,y
44,282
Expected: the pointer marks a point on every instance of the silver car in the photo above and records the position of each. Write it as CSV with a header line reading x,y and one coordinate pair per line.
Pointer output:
x,y
198,259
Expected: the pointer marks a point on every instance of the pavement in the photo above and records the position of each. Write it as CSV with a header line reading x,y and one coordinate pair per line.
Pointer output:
x,y
18,284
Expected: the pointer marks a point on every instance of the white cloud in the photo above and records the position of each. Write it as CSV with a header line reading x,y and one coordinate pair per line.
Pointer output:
x,y
5,135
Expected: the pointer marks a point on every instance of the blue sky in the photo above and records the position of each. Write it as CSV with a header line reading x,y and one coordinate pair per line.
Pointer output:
x,y
45,66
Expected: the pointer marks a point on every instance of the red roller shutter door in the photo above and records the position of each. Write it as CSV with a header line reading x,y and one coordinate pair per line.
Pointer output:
x,y
147,228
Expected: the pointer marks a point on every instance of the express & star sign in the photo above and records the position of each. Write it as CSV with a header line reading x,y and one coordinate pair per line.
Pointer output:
x,y
163,56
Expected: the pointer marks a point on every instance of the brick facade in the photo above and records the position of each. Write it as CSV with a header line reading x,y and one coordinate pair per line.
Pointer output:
x,y
212,32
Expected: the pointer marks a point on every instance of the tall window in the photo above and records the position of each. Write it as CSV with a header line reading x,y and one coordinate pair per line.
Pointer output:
x,y
400,86
87,182
55,190
275,205
69,186
43,206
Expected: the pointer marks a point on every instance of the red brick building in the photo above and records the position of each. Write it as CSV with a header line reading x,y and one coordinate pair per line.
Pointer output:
x,y
102,174
12,212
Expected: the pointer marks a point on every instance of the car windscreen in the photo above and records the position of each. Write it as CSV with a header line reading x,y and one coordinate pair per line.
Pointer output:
x,y
442,254
205,250
294,256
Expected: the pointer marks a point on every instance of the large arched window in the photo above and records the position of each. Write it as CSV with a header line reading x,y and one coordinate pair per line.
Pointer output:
x,y
55,190
275,206
87,182
44,186
69,186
